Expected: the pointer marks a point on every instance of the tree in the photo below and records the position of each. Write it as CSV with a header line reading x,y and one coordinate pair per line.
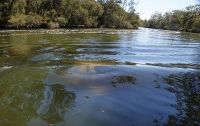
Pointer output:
x,y
94,11
18,7
69,13
156,20
33,20
184,20
112,15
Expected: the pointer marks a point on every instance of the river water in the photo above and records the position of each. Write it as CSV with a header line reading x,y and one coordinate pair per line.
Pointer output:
x,y
99,77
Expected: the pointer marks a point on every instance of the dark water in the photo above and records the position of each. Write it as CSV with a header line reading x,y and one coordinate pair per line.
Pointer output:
x,y
98,77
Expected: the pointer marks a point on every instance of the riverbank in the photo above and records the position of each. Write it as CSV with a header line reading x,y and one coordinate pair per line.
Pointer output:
x,y
187,20
179,30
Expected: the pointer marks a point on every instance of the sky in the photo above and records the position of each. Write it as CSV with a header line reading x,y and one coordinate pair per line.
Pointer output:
x,y
148,7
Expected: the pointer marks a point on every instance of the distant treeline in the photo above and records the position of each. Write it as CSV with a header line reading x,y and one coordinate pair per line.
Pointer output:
x,y
182,20
68,14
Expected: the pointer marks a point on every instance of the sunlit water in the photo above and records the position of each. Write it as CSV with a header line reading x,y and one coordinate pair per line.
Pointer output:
x,y
99,77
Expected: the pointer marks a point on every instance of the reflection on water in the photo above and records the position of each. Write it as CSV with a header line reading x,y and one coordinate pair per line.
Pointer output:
x,y
186,87
66,77
55,104
123,80
23,97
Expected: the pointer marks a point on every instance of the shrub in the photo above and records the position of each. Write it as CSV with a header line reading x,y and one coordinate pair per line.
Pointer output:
x,y
53,25
166,27
18,20
33,20
127,24
61,21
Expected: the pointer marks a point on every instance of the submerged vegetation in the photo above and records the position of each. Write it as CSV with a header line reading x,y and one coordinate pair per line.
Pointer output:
x,y
68,14
182,20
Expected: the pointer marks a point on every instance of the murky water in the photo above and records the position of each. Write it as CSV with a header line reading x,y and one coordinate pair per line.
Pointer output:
x,y
98,77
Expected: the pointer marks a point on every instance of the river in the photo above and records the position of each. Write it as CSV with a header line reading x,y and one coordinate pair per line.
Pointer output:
x,y
99,77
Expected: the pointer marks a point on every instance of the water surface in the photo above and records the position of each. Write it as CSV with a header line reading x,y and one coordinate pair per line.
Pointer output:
x,y
99,77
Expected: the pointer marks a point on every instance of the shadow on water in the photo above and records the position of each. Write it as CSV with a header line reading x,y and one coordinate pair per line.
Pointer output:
x,y
186,87
123,80
24,96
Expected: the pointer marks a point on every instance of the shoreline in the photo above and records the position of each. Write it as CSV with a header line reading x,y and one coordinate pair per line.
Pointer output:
x,y
90,30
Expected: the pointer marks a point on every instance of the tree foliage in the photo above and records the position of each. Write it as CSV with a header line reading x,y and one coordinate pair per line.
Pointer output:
x,y
18,20
184,20
68,13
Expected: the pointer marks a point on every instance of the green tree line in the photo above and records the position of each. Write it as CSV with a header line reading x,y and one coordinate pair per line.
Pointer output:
x,y
182,20
68,14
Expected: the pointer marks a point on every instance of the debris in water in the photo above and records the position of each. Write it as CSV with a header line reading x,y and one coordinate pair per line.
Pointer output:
x,y
6,67
79,110
86,96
